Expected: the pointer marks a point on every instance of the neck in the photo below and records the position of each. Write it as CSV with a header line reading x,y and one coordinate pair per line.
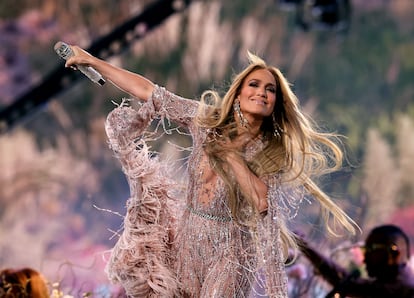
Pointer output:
x,y
254,127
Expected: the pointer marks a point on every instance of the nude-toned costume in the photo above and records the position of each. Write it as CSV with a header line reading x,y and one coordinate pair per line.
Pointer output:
x,y
188,246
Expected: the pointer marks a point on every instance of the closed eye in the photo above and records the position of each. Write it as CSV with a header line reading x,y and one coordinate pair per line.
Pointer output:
x,y
255,84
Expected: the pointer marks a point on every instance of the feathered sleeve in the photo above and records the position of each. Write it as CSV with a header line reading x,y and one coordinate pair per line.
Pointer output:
x,y
141,259
175,108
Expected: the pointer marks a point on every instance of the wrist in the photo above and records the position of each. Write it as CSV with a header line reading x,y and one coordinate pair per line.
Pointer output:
x,y
233,157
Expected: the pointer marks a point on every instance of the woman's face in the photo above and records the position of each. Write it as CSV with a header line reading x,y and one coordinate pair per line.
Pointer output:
x,y
258,95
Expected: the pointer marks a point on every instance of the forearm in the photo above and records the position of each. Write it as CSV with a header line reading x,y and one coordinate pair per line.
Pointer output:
x,y
330,271
131,83
250,184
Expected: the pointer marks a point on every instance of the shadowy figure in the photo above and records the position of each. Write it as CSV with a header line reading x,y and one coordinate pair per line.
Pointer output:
x,y
386,255
23,283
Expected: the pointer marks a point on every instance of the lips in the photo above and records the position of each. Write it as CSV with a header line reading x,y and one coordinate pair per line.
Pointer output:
x,y
260,102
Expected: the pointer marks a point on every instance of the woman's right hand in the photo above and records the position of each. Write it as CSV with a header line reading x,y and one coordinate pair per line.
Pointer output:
x,y
80,57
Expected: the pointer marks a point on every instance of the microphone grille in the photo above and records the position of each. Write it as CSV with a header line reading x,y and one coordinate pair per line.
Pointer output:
x,y
63,50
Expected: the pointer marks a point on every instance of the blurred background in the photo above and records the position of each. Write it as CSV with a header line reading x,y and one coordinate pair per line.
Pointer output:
x,y
62,192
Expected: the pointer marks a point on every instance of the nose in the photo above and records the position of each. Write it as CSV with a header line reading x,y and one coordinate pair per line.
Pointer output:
x,y
261,92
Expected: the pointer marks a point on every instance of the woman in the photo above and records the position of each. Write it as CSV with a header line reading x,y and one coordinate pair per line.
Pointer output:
x,y
252,149
22,283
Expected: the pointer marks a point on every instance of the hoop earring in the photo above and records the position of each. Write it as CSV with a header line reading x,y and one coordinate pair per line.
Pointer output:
x,y
236,107
277,130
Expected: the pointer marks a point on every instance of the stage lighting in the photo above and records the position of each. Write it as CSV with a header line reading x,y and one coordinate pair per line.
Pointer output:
x,y
324,14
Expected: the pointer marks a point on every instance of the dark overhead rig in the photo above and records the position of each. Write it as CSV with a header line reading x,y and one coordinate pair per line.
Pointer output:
x,y
111,44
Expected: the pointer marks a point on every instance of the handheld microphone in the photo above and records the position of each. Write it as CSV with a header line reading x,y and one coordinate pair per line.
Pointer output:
x,y
65,51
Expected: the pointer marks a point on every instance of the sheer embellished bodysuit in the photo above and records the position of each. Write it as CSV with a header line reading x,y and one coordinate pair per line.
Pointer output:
x,y
215,256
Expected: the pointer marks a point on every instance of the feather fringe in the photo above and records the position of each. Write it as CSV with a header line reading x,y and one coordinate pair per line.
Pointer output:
x,y
142,259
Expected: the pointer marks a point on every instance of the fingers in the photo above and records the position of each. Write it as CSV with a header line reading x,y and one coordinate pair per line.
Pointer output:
x,y
70,64
78,58
80,52
76,50
73,67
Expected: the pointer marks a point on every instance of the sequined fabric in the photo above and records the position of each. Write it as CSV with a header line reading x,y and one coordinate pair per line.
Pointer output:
x,y
199,248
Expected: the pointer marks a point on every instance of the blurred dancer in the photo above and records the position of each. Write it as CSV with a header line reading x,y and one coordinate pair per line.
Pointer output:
x,y
386,255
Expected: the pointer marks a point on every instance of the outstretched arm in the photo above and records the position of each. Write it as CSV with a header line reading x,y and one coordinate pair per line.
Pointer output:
x,y
129,82
328,269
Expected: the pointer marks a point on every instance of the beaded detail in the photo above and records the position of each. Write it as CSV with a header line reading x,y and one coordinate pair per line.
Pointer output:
x,y
209,216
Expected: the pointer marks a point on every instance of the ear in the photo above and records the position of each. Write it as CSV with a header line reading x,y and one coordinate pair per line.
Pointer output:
x,y
402,252
396,257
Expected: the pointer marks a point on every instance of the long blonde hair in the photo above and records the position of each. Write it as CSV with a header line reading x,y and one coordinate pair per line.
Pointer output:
x,y
300,154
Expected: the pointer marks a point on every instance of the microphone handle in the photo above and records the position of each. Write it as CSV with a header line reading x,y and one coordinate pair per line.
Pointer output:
x,y
92,74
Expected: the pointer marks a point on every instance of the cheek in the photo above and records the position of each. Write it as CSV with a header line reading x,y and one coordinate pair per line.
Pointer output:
x,y
376,258
272,103
244,99
245,93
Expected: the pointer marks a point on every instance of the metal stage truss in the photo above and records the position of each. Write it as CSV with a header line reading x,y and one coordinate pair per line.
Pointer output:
x,y
111,44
